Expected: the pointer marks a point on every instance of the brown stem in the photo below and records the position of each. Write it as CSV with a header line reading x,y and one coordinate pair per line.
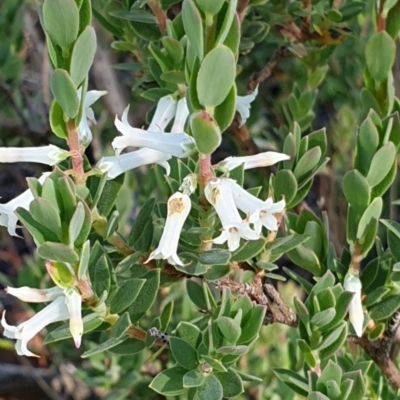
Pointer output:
x,y
76,153
266,72
159,14
380,20
380,357
241,9
356,259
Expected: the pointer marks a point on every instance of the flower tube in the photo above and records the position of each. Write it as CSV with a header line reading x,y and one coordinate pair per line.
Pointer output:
x,y
182,113
115,166
177,145
48,155
179,206
352,283
56,311
218,193
30,295
73,301
258,160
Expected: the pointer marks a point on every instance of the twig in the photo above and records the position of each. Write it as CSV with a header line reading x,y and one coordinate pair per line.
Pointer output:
x,y
159,14
379,350
262,292
76,153
241,9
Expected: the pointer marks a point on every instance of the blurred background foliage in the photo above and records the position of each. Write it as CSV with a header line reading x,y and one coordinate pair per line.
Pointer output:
x,y
315,78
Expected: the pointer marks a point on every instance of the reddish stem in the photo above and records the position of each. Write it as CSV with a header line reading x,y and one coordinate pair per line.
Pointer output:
x,y
205,173
380,20
76,153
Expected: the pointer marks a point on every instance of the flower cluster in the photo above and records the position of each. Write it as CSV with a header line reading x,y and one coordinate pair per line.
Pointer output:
x,y
155,146
65,304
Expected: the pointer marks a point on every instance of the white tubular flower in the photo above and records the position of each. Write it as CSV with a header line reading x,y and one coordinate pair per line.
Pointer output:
x,y
48,155
73,301
259,160
243,105
179,206
182,112
218,193
165,111
115,166
7,215
23,333
177,145
352,283
85,134
261,212
30,295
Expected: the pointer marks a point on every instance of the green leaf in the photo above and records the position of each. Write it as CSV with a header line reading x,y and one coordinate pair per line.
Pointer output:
x,y
216,76
169,382
324,317
225,112
44,212
61,20
358,388
193,379
333,342
285,186
227,23
146,296
317,396
58,252
369,218
210,7
193,25
229,329
183,352
376,332
307,163
381,164
283,245
233,350
331,372
102,277
128,347
57,122
84,260
196,294
231,382
166,315
205,131
142,231
253,325
101,348
392,226
90,323
379,55
126,295
392,25
215,257
308,356
76,223
83,55
357,190
136,15
306,259
293,380
215,364
249,250
190,333
174,48
64,92
121,326
211,389
191,266
385,308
